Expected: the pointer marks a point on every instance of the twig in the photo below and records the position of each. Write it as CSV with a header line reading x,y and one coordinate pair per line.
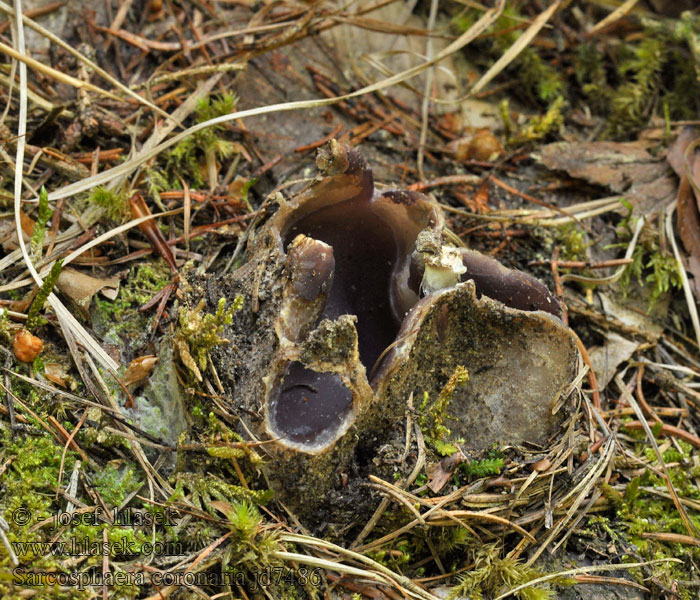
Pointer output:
x,y
323,140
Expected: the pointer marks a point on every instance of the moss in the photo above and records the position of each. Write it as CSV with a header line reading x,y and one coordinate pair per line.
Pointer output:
x,y
540,81
204,489
30,484
193,153
652,262
121,317
44,213
36,399
115,204
116,483
540,126
639,512
432,416
5,335
591,77
483,467
625,82
33,318
144,281
198,333
493,573
572,240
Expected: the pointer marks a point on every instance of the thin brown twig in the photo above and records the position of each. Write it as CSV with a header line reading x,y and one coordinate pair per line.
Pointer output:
x,y
318,143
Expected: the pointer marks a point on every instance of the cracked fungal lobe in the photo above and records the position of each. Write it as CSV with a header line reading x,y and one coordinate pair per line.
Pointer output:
x,y
353,251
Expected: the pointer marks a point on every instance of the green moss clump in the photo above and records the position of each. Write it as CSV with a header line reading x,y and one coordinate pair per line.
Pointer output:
x,y
30,484
539,126
572,240
204,489
624,82
5,335
199,333
117,483
432,415
493,573
193,153
652,262
632,101
639,512
541,82
43,215
115,204
144,282
33,318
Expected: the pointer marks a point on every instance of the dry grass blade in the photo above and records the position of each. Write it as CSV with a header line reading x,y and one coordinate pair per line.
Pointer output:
x,y
42,103
581,570
116,231
689,525
439,520
129,166
401,580
618,13
58,392
583,490
55,74
673,538
83,336
687,291
329,564
515,49
542,217
6,8
425,105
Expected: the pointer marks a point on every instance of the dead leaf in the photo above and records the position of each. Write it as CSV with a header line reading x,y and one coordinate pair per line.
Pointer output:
x,y
606,358
615,165
676,151
440,473
688,219
80,288
623,167
139,369
688,222
8,231
542,465
55,373
223,507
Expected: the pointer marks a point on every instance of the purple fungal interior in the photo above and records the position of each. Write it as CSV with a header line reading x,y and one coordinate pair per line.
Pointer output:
x,y
512,288
365,251
310,405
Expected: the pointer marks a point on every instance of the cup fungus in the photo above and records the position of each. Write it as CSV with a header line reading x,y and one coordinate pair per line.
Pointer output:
x,y
354,304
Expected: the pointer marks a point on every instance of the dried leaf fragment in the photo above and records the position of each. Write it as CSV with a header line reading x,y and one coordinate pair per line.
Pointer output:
x,y
439,474
80,287
139,369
